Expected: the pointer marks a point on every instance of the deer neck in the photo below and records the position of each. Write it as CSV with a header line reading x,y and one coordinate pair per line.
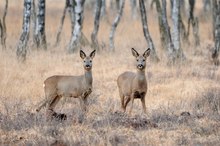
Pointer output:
x,y
88,77
140,77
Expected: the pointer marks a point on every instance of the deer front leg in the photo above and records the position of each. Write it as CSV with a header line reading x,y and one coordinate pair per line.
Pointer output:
x,y
143,102
132,102
83,99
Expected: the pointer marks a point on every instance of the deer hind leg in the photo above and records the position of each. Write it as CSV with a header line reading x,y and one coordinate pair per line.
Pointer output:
x,y
52,103
127,100
42,104
122,100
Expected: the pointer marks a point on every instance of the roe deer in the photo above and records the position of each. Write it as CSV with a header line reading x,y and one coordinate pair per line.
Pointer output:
x,y
134,85
58,86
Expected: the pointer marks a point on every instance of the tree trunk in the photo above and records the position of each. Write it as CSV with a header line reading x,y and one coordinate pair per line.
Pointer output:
x,y
114,26
22,44
34,22
161,25
117,3
67,6
40,35
103,9
78,22
183,32
215,52
146,31
3,28
206,5
176,29
168,40
133,4
95,44
214,9
194,22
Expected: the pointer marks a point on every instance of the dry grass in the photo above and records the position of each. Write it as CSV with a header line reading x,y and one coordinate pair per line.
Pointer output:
x,y
183,101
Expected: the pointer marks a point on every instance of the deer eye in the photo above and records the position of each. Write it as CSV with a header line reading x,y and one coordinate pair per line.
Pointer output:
x,y
143,59
84,61
90,61
137,59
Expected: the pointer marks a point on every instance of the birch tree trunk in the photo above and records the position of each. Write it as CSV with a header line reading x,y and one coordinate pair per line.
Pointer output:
x,y
3,28
161,25
216,50
194,22
103,9
114,26
78,22
95,44
147,36
67,6
176,29
34,22
214,4
22,44
169,44
133,4
40,35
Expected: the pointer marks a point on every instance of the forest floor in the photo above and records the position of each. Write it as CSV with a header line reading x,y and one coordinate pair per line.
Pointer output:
x,y
183,101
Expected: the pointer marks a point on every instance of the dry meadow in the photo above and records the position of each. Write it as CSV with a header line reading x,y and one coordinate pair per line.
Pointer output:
x,y
183,101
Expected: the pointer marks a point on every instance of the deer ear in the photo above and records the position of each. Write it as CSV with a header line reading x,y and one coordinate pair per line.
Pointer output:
x,y
82,54
134,52
92,54
146,53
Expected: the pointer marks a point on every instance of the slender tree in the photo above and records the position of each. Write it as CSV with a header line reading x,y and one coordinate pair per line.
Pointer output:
x,y
160,21
22,44
169,44
114,26
146,31
68,6
216,50
133,4
95,43
40,36
176,29
34,21
103,9
194,22
78,22
3,28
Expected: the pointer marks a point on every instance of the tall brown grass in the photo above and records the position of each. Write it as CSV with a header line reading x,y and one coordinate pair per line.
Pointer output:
x,y
182,101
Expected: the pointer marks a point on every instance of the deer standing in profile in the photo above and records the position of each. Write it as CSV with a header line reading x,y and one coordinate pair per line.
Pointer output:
x,y
134,85
58,86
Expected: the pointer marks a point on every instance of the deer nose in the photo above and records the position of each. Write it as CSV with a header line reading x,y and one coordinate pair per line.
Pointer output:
x,y
87,65
140,65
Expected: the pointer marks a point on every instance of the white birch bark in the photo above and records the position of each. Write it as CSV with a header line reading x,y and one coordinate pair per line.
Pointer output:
x,y
169,43
75,40
22,44
215,53
114,26
176,29
67,7
94,39
103,9
40,28
3,28
146,31
133,4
